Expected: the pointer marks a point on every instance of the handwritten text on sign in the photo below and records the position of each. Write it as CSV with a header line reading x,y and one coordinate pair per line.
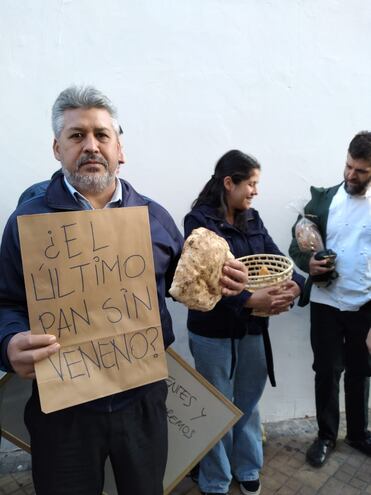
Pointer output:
x,y
90,281
198,416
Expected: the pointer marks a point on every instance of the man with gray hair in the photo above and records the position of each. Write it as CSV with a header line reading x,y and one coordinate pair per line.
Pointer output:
x,y
70,446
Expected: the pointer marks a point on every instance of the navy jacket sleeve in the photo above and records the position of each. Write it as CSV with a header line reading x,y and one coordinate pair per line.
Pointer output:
x,y
13,306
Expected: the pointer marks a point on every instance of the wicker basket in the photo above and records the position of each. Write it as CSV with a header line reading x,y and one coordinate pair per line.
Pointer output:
x,y
280,269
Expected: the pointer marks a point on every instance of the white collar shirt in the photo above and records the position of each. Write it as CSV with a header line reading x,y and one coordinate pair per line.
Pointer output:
x,y
349,235
114,202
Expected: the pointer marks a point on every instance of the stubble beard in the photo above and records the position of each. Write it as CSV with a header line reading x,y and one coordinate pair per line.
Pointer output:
x,y
90,183
356,189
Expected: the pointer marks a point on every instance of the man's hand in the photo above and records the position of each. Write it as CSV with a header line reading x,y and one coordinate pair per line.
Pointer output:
x,y
24,350
368,341
234,278
318,267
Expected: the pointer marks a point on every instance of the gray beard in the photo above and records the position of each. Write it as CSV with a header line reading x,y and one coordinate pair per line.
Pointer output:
x,y
89,183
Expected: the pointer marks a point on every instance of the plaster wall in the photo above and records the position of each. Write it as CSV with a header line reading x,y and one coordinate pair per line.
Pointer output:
x,y
288,82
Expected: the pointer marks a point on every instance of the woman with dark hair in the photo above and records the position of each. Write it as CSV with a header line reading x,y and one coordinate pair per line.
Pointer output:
x,y
230,346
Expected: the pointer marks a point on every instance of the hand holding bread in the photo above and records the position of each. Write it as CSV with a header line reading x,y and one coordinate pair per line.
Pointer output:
x,y
197,278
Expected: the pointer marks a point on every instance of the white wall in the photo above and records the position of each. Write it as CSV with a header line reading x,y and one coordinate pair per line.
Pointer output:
x,y
288,81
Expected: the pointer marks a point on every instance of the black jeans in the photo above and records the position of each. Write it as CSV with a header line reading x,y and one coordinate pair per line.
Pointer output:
x,y
338,343
69,447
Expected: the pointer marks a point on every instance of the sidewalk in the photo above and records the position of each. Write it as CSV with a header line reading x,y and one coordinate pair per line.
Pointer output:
x,y
348,472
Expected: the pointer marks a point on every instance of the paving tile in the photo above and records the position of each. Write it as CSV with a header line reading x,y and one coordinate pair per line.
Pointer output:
x,y
355,460
357,483
268,471
295,485
296,461
285,472
332,487
310,478
342,476
285,490
348,468
184,488
307,490
11,487
364,475
272,484
29,489
348,490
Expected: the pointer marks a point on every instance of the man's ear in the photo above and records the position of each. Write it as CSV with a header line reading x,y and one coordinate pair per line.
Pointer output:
x,y
56,150
122,157
228,183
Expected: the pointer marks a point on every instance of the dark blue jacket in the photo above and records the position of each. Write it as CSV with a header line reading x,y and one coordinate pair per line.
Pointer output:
x,y
37,189
166,242
229,318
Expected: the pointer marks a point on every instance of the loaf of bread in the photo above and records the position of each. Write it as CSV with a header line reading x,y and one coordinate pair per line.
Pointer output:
x,y
196,281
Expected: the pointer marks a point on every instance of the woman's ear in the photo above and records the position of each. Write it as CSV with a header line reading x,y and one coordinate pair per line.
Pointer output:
x,y
228,183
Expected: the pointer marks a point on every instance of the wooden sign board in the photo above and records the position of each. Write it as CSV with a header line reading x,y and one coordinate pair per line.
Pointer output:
x,y
198,416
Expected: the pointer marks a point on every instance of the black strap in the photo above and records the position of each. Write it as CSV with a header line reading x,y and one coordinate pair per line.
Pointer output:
x,y
233,360
269,356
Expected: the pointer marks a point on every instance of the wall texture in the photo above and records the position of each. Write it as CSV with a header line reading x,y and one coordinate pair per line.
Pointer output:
x,y
286,81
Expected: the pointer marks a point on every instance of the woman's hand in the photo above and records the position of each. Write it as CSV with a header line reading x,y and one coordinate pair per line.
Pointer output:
x,y
234,278
268,300
274,300
292,288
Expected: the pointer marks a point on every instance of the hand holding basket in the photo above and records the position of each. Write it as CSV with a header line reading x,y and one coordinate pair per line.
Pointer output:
x,y
266,270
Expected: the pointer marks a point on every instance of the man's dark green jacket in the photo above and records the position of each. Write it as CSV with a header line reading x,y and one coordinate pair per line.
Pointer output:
x,y
317,211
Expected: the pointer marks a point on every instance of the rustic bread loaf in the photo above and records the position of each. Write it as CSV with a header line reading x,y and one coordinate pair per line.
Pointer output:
x,y
196,281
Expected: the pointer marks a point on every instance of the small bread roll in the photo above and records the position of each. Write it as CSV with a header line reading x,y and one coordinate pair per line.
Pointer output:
x,y
196,280
263,270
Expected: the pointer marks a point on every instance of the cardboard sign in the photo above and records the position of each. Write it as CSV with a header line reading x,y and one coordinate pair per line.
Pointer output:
x,y
90,281
198,416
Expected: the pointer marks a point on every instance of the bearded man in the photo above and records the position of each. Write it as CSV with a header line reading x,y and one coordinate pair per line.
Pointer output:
x,y
341,309
69,447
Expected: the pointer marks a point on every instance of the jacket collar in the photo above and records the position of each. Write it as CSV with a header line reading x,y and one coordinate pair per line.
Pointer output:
x,y
213,214
58,197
